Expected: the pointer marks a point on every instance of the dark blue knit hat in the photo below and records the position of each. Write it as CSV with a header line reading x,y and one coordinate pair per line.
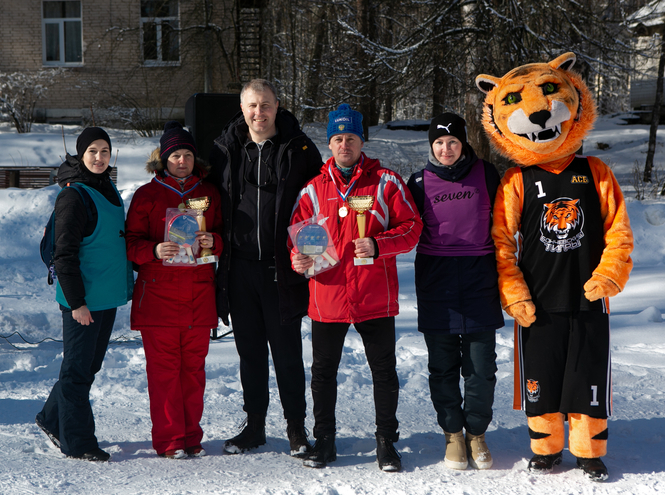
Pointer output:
x,y
175,138
87,137
345,120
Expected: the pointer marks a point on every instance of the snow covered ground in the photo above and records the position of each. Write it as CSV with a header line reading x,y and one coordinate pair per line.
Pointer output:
x,y
30,464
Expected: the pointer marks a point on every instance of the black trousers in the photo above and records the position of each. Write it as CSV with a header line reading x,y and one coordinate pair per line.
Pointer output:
x,y
67,412
254,308
473,356
378,337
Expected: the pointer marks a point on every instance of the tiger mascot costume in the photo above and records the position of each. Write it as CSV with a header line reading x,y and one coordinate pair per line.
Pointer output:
x,y
574,242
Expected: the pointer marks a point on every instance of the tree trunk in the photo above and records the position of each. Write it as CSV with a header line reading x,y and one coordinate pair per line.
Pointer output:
x,y
473,99
388,101
373,95
208,40
655,114
311,96
440,86
362,24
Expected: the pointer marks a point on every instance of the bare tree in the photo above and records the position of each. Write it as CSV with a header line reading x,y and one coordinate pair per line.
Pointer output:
x,y
20,92
313,74
655,114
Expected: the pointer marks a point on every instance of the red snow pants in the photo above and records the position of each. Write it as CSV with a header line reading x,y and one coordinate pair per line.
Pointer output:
x,y
175,365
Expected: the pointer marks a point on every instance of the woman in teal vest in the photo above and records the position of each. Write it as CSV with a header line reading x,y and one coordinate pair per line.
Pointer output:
x,y
93,279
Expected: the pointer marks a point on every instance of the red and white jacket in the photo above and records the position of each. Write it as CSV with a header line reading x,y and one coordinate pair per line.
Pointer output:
x,y
349,293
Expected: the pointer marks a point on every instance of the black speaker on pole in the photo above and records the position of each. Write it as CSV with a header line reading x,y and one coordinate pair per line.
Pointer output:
x,y
206,115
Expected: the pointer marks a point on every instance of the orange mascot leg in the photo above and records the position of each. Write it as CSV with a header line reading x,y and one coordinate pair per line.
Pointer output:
x,y
588,436
547,433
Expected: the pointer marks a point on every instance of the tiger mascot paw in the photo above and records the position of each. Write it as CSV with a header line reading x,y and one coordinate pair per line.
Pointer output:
x,y
524,313
598,287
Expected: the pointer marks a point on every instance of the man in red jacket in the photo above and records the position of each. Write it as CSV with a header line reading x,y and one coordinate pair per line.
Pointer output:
x,y
364,294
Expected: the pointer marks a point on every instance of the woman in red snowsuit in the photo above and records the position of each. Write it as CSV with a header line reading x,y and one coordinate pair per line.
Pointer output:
x,y
173,306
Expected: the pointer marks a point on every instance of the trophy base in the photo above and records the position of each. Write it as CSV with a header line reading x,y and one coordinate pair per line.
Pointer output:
x,y
207,259
363,261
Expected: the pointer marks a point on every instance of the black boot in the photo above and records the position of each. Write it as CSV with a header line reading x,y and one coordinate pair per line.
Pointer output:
x,y
295,430
252,435
96,455
594,468
541,464
50,435
323,452
386,455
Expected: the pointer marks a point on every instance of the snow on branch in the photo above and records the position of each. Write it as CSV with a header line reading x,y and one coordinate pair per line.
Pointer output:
x,y
19,93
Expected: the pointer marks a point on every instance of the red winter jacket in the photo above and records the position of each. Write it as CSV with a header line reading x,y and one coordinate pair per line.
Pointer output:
x,y
349,293
169,296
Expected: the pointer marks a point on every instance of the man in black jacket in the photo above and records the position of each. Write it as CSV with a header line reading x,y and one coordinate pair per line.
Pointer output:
x,y
260,163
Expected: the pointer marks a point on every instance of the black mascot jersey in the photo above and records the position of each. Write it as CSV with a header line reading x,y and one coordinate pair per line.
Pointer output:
x,y
561,235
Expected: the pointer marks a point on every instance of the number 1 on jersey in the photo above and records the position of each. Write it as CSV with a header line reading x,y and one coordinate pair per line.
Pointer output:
x,y
541,193
594,393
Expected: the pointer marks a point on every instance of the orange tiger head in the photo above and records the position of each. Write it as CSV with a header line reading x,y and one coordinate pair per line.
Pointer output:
x,y
539,112
561,217
532,386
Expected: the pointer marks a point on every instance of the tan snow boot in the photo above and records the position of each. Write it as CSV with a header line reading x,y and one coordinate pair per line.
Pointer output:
x,y
455,451
478,452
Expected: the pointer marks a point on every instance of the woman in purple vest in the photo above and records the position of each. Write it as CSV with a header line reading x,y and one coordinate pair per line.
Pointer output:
x,y
456,286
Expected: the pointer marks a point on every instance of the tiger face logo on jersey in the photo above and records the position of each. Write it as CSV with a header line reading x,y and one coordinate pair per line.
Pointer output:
x,y
561,225
538,112
532,390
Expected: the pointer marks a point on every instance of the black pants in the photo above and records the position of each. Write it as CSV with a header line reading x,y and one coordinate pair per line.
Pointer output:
x,y
327,344
254,308
67,412
473,355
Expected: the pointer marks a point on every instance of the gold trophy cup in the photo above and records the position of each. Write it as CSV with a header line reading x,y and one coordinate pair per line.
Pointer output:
x,y
201,205
360,204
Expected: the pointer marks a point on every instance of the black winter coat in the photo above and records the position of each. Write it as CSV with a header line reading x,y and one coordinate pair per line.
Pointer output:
x,y
72,224
298,161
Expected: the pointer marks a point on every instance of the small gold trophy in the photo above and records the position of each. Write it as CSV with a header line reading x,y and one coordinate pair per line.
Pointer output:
x,y
360,204
201,205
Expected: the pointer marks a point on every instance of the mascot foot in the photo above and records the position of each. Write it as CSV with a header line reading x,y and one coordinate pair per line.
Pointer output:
x,y
594,468
542,464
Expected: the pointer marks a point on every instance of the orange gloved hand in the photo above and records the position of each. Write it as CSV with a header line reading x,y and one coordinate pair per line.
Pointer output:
x,y
524,312
598,287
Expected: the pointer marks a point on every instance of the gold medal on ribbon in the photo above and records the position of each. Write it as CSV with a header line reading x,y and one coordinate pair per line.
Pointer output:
x,y
343,211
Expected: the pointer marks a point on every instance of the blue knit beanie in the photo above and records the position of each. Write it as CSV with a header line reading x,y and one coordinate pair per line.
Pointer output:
x,y
345,120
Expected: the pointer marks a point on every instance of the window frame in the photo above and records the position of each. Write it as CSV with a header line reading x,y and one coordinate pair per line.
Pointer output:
x,y
158,22
60,22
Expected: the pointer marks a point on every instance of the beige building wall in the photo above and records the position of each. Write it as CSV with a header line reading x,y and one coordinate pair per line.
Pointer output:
x,y
113,75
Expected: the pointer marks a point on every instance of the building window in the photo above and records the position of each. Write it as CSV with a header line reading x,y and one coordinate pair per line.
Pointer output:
x,y
61,33
159,28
